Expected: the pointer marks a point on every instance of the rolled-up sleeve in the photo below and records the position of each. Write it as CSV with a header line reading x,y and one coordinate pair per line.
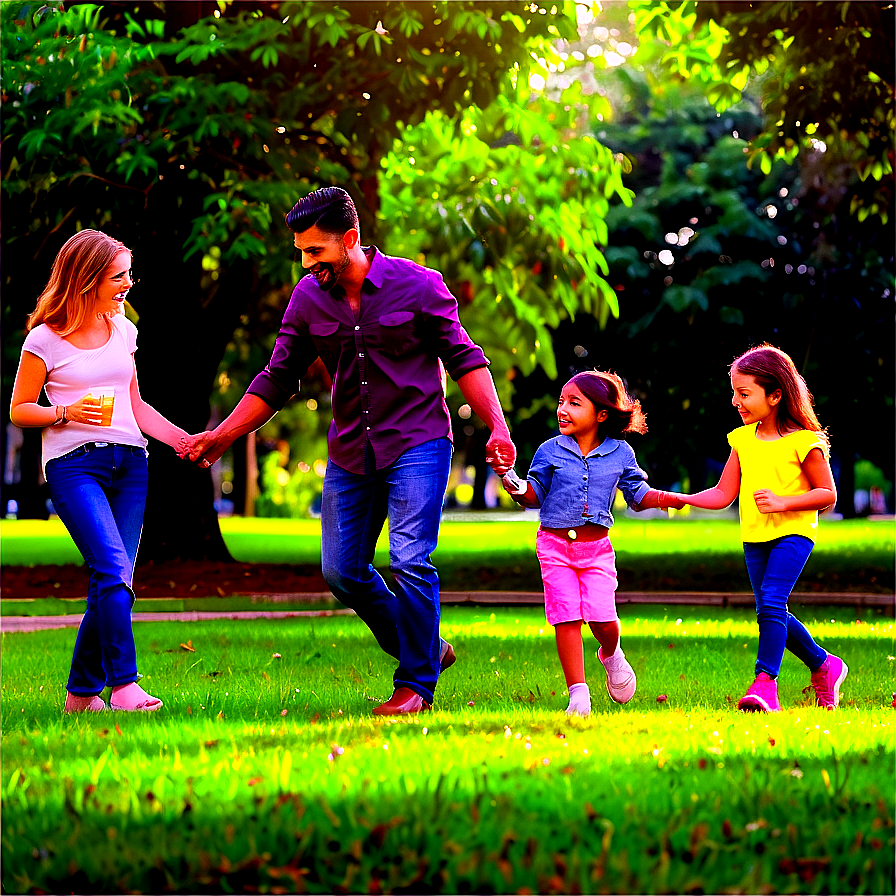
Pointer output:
x,y
449,339
541,474
294,352
633,481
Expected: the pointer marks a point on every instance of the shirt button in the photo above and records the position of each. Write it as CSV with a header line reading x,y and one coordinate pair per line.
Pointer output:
x,y
368,429
360,354
357,328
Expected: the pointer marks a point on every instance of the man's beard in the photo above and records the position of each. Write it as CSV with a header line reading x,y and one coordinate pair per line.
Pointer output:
x,y
327,275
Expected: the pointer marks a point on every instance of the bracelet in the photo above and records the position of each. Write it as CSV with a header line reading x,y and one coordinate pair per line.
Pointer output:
x,y
63,418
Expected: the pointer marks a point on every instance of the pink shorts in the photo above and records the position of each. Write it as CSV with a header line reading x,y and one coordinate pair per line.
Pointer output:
x,y
579,578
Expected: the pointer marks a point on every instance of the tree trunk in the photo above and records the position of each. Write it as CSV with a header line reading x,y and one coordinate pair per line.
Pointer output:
x,y
180,345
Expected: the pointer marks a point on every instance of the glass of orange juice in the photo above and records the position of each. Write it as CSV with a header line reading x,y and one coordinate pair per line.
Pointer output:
x,y
105,399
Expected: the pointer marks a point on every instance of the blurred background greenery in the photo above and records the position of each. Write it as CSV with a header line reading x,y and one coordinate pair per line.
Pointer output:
x,y
644,187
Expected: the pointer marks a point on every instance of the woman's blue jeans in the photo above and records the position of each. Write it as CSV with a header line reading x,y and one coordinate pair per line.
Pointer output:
x,y
100,495
774,567
354,508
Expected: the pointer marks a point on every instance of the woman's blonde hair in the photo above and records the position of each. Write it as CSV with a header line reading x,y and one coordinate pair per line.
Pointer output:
x,y
67,299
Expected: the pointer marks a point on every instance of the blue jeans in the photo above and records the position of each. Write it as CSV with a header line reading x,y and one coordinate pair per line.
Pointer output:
x,y
774,567
353,510
100,494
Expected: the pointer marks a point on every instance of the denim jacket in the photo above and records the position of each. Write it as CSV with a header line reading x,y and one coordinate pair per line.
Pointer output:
x,y
573,490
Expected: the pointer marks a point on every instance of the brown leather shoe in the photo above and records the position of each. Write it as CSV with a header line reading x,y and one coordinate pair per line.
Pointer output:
x,y
403,702
447,657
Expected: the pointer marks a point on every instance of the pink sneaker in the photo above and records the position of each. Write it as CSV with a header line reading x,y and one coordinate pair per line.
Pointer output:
x,y
826,680
74,703
762,695
132,698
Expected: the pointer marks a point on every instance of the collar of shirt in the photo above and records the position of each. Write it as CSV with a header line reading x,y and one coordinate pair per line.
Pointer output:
x,y
605,447
375,273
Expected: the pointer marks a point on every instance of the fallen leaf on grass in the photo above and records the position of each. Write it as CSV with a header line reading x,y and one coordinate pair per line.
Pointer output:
x,y
189,646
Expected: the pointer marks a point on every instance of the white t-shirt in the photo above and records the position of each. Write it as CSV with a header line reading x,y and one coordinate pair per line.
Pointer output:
x,y
73,372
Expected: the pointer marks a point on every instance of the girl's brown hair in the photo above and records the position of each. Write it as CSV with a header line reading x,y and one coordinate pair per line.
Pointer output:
x,y
607,392
67,299
773,369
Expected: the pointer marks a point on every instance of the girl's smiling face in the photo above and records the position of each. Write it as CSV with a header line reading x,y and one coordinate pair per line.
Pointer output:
x,y
751,402
577,416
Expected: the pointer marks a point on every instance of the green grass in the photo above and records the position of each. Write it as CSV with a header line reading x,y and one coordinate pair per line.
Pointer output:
x,y
652,555
267,773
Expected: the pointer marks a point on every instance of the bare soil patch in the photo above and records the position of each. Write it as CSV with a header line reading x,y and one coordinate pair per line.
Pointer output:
x,y
179,579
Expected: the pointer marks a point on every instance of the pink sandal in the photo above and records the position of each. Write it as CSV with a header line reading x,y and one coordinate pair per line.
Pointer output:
x,y
132,698
74,703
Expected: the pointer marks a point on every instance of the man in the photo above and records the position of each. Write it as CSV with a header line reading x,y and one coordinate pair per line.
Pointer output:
x,y
386,329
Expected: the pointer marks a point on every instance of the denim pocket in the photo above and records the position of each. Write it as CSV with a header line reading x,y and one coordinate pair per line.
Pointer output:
x,y
80,451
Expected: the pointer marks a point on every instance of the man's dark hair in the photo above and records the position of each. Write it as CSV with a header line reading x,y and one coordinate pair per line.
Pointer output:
x,y
331,209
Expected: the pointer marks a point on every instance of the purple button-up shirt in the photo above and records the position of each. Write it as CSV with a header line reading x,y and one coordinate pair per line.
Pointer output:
x,y
385,363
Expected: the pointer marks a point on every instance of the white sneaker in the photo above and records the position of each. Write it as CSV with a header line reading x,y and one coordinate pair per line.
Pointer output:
x,y
579,700
621,681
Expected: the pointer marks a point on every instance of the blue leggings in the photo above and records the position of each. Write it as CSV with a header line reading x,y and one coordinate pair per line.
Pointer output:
x,y
774,567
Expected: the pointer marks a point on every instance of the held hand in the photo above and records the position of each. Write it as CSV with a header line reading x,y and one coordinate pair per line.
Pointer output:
x,y
767,501
500,453
670,501
86,410
203,449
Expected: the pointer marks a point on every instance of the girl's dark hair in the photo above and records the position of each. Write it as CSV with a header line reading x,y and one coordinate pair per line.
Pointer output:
x,y
773,369
607,392
331,209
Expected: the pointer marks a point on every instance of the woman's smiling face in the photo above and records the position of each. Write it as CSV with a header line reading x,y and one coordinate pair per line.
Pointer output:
x,y
114,284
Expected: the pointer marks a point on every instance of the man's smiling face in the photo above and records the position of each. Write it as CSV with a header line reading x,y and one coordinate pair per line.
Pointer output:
x,y
324,255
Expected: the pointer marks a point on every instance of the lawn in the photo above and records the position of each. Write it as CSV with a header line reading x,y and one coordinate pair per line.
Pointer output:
x,y
266,772
652,554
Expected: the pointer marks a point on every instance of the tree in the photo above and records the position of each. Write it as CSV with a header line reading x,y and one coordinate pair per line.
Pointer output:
x,y
825,72
714,256
187,130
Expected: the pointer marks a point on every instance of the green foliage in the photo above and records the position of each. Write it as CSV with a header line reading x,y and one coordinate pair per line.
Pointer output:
x,y
509,204
285,493
825,71
265,769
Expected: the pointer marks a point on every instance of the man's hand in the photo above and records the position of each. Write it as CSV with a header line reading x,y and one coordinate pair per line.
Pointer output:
x,y
500,453
768,502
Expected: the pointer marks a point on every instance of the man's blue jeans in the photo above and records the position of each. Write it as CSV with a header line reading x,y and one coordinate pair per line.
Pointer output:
x,y
100,495
774,567
354,508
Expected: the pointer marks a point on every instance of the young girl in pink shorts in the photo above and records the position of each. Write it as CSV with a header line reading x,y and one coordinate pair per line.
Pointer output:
x,y
573,480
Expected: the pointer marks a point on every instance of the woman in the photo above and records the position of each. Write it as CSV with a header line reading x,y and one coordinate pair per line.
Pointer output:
x,y
79,348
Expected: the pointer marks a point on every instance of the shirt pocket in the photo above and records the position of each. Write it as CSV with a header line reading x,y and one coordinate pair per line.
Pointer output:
x,y
327,342
396,333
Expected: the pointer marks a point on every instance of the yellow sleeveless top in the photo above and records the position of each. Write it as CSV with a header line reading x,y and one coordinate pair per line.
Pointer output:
x,y
777,466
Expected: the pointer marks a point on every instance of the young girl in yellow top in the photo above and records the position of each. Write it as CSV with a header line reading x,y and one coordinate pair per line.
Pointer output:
x,y
779,468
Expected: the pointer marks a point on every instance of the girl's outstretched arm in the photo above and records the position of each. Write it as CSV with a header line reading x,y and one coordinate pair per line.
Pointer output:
x,y
716,498
821,495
